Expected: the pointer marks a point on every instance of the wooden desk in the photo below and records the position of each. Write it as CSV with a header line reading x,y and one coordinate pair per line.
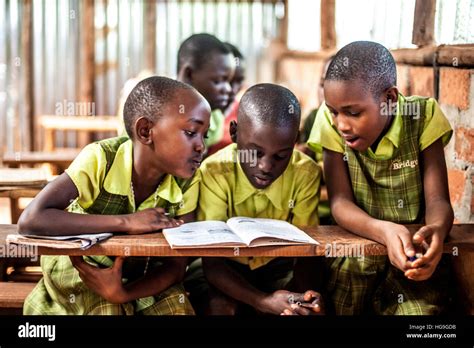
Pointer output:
x,y
16,183
82,124
154,244
460,245
59,160
14,194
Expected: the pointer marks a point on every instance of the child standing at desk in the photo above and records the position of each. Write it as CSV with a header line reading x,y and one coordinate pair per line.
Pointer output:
x,y
384,165
208,65
261,176
129,185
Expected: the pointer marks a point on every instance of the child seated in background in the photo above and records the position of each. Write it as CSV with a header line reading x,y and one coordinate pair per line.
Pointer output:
x,y
261,176
208,65
124,184
385,167
232,108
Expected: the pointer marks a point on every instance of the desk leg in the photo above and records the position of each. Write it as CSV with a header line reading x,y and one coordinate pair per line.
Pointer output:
x,y
83,138
15,210
3,269
52,168
49,140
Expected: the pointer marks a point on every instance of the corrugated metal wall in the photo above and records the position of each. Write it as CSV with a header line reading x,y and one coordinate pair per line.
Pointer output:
x,y
119,49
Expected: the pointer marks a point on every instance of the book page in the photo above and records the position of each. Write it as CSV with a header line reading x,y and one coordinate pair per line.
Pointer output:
x,y
201,233
276,231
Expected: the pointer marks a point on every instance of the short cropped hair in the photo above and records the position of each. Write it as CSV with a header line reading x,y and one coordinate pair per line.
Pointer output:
x,y
234,50
366,61
198,48
148,98
271,104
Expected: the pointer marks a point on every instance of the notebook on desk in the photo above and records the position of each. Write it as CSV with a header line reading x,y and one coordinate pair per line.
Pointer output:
x,y
81,241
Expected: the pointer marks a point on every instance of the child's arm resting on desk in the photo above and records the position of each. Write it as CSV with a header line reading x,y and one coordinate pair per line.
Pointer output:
x,y
439,213
348,215
45,215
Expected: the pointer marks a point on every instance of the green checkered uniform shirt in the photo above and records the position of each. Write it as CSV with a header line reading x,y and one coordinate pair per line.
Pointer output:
x,y
61,291
387,189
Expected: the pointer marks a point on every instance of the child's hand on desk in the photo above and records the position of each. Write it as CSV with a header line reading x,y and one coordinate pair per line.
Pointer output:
x,y
430,237
399,245
149,220
105,282
309,303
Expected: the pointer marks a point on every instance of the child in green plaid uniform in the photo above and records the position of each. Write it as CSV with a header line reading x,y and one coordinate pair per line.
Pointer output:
x,y
385,167
134,185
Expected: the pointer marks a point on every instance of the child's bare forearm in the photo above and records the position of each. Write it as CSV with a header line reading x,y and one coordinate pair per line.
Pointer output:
x,y
440,213
55,222
45,215
231,283
343,208
436,189
349,216
157,280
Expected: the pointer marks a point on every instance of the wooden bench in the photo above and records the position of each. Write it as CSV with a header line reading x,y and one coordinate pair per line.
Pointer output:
x,y
83,125
13,295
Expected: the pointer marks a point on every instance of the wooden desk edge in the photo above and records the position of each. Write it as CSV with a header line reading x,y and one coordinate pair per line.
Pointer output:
x,y
157,246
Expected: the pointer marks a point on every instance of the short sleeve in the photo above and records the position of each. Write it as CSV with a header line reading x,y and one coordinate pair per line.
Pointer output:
x,y
435,126
213,203
87,171
305,211
323,134
190,196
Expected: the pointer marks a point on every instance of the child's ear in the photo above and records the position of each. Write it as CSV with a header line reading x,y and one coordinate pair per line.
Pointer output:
x,y
187,74
143,128
392,94
233,131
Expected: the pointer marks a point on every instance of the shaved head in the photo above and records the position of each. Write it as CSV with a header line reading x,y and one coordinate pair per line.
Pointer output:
x,y
365,61
270,104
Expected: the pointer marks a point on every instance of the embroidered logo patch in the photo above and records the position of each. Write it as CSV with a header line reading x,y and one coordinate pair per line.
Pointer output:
x,y
398,164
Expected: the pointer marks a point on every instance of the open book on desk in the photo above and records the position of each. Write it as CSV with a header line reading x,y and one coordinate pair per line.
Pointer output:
x,y
237,232
80,241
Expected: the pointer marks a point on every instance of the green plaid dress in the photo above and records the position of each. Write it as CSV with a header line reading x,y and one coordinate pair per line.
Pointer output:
x,y
61,291
392,190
